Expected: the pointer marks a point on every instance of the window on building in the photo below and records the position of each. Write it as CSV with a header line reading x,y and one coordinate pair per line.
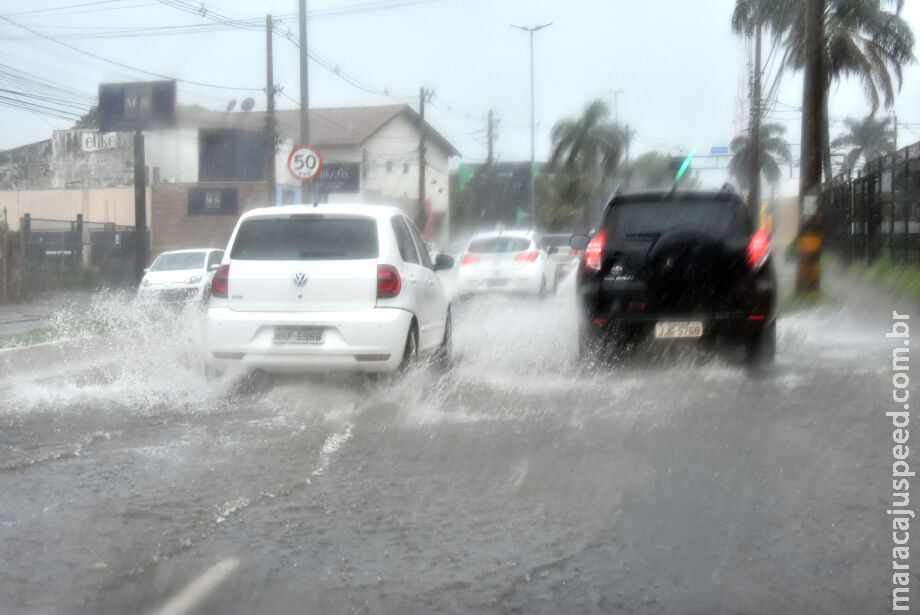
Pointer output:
x,y
405,168
389,166
231,155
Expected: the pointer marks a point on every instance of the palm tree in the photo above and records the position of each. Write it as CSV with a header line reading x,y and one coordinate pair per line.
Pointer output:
x,y
773,149
863,40
589,145
869,138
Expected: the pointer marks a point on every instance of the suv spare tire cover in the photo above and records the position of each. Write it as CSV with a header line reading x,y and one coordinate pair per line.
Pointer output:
x,y
687,257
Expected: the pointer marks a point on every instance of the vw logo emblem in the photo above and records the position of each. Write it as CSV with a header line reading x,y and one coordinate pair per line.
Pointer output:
x,y
300,279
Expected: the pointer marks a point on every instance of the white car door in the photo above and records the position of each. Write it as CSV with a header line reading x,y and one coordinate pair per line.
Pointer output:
x,y
434,297
413,275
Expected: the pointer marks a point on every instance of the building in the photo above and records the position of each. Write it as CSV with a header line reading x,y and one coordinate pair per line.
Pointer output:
x,y
212,166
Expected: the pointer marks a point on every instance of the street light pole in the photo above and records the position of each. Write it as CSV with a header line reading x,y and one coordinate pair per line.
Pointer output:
x,y
533,210
616,106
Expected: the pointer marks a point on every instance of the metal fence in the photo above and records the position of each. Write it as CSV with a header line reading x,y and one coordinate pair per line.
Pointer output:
x,y
877,211
74,252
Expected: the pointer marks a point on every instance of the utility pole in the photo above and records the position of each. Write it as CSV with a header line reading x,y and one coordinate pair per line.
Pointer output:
x,y
533,201
304,93
491,138
755,162
140,206
421,219
270,120
814,96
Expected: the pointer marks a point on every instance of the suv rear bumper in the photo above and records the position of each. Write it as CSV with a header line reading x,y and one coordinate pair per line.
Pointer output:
x,y
606,305
367,340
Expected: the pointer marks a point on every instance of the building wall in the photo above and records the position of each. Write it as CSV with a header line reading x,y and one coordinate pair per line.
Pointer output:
x,y
114,205
91,159
172,228
174,155
27,167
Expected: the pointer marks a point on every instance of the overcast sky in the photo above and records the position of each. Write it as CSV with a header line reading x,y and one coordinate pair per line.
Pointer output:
x,y
677,65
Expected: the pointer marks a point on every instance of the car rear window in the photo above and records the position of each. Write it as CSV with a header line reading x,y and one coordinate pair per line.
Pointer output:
x,y
649,219
499,245
306,238
556,240
179,261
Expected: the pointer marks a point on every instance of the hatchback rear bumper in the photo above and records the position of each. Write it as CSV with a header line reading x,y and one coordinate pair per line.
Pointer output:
x,y
510,281
367,340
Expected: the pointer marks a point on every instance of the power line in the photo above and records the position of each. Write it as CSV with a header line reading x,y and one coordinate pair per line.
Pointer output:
x,y
123,65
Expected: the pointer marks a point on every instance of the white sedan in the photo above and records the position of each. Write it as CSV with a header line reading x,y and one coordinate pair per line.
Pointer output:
x,y
506,261
326,287
180,275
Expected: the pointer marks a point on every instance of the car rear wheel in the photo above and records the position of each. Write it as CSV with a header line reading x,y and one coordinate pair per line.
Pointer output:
x,y
410,350
760,348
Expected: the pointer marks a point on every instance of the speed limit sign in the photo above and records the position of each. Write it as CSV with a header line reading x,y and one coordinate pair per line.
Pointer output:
x,y
304,163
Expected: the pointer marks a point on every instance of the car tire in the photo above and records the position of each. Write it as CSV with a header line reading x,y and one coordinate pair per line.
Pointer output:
x,y
443,353
760,348
542,294
410,350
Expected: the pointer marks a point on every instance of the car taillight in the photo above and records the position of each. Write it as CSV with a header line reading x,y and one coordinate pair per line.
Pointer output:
x,y
757,250
468,259
527,257
220,283
594,251
388,282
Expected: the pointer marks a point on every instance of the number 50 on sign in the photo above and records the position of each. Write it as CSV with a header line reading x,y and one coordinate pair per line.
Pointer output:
x,y
304,162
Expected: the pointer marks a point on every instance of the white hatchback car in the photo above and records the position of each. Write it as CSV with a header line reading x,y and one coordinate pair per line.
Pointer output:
x,y
326,287
506,261
180,275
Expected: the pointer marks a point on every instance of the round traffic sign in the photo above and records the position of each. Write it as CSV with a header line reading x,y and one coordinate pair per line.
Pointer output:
x,y
304,162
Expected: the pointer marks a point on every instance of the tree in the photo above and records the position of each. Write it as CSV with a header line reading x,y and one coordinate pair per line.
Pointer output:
x,y
586,154
588,145
862,40
90,119
773,150
869,138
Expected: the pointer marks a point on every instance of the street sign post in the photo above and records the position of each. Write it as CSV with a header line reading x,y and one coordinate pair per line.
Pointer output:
x,y
304,163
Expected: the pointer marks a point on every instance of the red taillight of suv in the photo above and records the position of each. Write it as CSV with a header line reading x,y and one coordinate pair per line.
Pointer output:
x,y
220,282
388,282
757,250
527,257
595,250
468,259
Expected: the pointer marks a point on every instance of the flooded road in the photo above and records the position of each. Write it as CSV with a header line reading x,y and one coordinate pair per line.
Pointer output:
x,y
520,481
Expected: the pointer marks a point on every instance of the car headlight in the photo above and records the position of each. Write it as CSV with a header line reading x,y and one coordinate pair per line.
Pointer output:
x,y
193,280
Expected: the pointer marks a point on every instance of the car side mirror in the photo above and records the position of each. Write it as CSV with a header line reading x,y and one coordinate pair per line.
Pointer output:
x,y
443,261
578,242
214,267
146,269
552,250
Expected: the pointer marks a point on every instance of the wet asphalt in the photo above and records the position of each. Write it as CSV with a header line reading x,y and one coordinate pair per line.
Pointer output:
x,y
519,481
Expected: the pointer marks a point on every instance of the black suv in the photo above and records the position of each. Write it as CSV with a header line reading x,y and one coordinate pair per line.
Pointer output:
x,y
676,266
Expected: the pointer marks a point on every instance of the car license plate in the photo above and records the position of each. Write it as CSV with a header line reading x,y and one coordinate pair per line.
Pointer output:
x,y
299,335
671,329
494,282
